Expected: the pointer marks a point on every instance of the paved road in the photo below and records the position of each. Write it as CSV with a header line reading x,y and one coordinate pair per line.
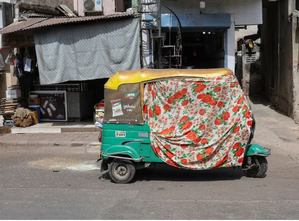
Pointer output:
x,y
54,182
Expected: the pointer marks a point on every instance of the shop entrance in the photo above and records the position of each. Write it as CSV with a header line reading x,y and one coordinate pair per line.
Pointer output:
x,y
202,48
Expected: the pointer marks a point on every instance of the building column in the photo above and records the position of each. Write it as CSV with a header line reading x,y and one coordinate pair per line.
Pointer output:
x,y
230,46
295,68
146,50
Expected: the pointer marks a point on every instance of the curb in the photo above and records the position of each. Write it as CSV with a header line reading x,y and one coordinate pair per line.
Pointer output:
x,y
53,130
45,144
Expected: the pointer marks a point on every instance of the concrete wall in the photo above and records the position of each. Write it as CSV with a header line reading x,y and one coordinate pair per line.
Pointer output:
x,y
286,84
108,7
295,67
68,3
8,1
281,55
230,48
6,78
245,12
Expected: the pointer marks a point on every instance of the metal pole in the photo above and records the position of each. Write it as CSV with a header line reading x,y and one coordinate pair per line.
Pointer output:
x,y
159,34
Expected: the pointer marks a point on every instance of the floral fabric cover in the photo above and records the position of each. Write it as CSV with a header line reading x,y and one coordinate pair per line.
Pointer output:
x,y
198,123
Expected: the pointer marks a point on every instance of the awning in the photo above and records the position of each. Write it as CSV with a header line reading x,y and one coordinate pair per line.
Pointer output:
x,y
35,23
193,21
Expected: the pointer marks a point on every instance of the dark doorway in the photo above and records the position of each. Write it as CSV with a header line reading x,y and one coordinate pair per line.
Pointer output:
x,y
202,48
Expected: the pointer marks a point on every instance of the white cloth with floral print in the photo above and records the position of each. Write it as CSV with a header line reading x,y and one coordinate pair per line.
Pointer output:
x,y
198,123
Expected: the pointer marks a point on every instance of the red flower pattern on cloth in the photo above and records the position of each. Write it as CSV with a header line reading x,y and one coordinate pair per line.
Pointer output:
x,y
198,123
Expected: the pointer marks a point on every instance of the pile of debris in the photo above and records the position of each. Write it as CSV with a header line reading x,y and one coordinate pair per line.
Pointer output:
x,y
24,118
5,130
43,11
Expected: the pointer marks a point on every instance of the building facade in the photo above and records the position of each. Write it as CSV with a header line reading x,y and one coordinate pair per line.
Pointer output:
x,y
281,55
208,33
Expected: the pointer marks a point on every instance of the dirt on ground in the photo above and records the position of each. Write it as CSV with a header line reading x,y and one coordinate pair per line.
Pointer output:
x,y
5,130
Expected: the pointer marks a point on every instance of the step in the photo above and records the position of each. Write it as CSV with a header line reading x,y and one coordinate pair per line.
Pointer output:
x,y
168,46
49,128
148,20
157,37
148,3
172,56
147,12
35,130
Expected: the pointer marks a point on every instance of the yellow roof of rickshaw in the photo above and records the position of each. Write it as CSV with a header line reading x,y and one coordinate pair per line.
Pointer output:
x,y
144,75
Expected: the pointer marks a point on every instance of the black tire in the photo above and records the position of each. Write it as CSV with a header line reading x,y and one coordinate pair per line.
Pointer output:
x,y
260,170
121,171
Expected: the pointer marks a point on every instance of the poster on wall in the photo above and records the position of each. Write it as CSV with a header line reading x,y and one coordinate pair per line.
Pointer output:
x,y
53,105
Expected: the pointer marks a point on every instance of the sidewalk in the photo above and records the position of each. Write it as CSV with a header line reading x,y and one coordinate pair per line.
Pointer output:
x,y
273,130
56,127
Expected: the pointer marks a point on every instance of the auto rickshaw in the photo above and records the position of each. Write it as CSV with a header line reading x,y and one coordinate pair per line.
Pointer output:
x,y
189,119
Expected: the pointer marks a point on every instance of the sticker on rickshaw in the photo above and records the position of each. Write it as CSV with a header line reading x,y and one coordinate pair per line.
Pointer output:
x,y
143,134
120,134
129,108
130,95
116,108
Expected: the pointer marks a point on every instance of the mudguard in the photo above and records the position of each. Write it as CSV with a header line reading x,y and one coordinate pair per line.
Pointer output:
x,y
104,165
122,152
257,150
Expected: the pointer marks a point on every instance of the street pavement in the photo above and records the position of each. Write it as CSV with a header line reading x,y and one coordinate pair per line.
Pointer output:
x,y
55,176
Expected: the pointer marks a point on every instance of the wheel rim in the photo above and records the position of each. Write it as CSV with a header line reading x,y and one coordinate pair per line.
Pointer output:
x,y
258,170
121,172
254,170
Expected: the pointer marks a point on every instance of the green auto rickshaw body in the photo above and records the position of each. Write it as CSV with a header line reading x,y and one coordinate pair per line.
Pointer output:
x,y
127,142
126,137
256,150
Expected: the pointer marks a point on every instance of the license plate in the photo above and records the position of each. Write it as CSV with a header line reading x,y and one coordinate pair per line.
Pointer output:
x,y
120,134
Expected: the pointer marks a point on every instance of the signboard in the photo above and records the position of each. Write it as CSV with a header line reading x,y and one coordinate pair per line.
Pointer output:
x,y
11,40
53,105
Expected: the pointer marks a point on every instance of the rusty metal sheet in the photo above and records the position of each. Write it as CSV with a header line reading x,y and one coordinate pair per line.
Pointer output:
x,y
21,25
35,23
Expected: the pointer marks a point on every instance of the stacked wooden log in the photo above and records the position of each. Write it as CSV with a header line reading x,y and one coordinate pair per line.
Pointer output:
x,y
7,109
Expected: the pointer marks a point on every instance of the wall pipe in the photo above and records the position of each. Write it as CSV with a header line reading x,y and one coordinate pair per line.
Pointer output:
x,y
278,52
17,12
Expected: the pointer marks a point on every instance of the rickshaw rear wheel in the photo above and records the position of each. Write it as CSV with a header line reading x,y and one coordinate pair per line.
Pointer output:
x,y
260,168
121,171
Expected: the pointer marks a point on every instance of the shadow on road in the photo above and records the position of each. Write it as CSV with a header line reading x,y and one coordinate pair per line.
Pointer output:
x,y
263,101
168,173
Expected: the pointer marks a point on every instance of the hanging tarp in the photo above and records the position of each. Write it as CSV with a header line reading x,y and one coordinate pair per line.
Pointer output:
x,y
198,123
87,51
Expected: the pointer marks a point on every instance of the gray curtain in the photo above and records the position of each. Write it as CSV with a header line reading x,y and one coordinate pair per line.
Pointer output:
x,y
87,51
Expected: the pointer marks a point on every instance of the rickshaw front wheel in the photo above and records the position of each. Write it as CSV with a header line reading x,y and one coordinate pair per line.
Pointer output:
x,y
121,171
260,168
